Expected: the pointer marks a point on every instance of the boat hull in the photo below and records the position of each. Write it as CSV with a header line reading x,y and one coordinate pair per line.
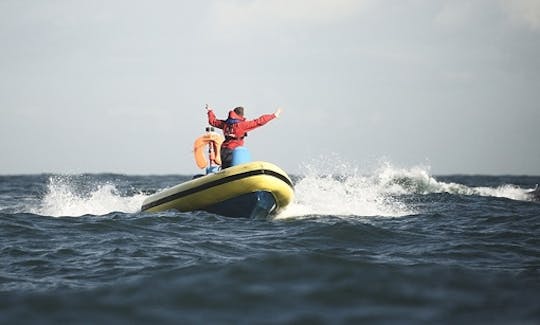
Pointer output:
x,y
251,190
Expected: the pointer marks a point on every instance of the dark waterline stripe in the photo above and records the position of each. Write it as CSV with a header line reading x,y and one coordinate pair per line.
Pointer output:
x,y
217,182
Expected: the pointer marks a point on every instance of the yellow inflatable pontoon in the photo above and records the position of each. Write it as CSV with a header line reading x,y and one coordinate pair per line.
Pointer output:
x,y
251,190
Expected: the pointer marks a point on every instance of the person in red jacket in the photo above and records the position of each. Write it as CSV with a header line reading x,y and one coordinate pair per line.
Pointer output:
x,y
235,129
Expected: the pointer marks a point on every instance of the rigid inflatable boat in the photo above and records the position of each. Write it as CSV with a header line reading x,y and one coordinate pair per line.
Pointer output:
x,y
248,189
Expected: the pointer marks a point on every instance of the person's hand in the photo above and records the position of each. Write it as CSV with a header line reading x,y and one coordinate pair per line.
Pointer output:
x,y
277,112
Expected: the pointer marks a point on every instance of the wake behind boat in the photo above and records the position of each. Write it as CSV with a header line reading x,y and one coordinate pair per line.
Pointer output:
x,y
248,189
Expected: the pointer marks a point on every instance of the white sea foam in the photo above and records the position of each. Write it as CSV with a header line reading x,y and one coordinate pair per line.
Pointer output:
x,y
65,198
417,180
330,188
339,189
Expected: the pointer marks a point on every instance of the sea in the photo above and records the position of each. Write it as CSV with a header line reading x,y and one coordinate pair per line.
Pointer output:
x,y
389,245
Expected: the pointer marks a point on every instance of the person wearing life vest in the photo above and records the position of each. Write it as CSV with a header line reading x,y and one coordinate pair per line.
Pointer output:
x,y
235,129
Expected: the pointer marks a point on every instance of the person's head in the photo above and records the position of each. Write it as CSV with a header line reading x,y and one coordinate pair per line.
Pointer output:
x,y
239,110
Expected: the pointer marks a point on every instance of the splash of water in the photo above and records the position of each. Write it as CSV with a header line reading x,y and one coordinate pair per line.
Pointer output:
x,y
327,188
417,180
339,189
330,188
65,198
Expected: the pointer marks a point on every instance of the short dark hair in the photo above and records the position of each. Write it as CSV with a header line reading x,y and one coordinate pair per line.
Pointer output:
x,y
239,110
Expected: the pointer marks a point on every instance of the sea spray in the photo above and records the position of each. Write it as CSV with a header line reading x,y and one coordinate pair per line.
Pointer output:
x,y
327,187
339,188
417,180
77,196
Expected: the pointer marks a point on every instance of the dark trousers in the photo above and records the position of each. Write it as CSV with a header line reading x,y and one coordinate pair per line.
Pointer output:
x,y
226,157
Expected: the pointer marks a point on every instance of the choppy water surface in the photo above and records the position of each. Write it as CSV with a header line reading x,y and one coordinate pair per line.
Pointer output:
x,y
395,245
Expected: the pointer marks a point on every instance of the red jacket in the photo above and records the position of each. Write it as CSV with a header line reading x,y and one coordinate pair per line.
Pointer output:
x,y
240,128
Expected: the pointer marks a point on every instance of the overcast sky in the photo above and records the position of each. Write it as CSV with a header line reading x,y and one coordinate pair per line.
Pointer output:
x,y
120,86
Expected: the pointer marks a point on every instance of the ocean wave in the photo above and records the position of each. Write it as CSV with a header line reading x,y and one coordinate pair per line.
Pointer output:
x,y
328,187
333,187
76,196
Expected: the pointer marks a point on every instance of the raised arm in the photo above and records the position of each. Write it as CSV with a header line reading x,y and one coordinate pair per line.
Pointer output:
x,y
212,120
261,120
